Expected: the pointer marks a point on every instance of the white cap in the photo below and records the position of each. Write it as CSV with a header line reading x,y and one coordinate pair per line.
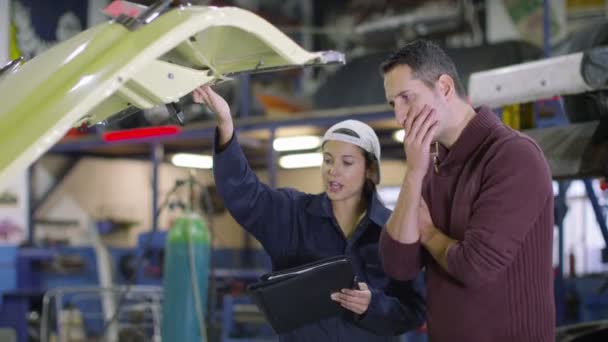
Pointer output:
x,y
357,133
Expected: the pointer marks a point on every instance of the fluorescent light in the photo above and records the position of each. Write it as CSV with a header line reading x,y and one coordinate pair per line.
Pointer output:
x,y
301,160
304,142
399,135
198,161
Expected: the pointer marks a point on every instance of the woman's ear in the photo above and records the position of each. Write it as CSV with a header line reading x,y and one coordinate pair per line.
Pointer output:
x,y
372,173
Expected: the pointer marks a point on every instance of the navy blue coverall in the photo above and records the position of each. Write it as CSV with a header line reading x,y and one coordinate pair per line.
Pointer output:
x,y
296,228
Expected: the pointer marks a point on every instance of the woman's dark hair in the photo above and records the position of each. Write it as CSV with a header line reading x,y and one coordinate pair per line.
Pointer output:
x,y
369,187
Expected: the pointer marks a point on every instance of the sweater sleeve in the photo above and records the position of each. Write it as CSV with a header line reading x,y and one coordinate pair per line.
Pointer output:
x,y
514,190
400,261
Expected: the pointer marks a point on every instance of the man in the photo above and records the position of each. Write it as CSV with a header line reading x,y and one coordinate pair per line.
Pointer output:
x,y
475,208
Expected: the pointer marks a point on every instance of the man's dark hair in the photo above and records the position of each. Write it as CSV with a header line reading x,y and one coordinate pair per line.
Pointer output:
x,y
427,61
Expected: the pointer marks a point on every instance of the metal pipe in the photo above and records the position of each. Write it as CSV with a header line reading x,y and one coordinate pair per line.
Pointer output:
x,y
305,82
448,15
272,179
154,11
60,176
272,160
546,28
156,151
244,95
31,206
319,118
5,10
537,80
10,66
597,209
146,17
560,210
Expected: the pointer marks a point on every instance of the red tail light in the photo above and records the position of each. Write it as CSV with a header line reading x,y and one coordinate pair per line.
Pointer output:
x,y
139,133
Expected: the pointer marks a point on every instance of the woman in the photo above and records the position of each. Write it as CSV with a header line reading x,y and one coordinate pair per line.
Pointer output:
x,y
297,228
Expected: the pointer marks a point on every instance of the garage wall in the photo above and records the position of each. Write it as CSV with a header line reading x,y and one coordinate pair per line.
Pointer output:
x,y
120,189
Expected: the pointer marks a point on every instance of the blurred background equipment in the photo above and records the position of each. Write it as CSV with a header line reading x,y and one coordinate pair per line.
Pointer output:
x,y
186,275
86,252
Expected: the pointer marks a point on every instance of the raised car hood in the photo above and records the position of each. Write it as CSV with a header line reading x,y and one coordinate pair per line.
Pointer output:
x,y
110,67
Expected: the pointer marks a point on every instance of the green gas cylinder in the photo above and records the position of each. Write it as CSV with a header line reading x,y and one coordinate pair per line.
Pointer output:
x,y
185,280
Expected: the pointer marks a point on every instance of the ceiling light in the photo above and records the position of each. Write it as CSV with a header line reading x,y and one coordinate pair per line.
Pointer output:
x,y
399,135
198,161
304,142
301,160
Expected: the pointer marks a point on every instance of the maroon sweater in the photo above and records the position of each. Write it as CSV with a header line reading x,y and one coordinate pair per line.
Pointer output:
x,y
493,194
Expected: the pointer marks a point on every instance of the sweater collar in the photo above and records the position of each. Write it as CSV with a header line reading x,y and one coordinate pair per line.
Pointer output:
x,y
470,138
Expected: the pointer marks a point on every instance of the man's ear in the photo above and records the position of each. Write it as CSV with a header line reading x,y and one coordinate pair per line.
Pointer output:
x,y
446,85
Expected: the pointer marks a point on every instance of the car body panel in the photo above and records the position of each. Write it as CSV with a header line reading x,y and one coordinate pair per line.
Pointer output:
x,y
109,68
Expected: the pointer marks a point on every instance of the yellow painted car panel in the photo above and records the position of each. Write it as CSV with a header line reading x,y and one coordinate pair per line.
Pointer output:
x,y
109,67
